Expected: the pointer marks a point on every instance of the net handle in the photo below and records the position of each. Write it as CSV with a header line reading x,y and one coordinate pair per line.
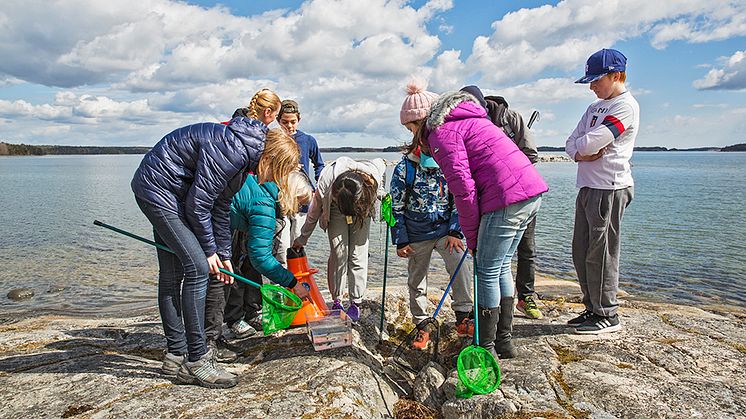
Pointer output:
x,y
166,249
448,288
476,307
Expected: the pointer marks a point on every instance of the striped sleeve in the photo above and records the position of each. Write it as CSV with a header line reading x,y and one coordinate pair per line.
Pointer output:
x,y
614,124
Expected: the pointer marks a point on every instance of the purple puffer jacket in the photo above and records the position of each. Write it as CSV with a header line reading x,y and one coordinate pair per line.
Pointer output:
x,y
484,169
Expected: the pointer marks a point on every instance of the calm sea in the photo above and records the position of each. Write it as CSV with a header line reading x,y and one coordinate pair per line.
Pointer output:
x,y
683,235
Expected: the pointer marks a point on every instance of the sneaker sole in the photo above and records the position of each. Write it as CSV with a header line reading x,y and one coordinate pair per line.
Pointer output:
x,y
609,329
525,314
182,379
243,336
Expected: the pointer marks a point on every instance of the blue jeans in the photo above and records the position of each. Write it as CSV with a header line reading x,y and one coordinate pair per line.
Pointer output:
x,y
500,232
182,282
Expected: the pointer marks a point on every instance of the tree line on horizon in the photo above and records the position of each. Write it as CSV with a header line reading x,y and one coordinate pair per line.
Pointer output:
x,y
8,149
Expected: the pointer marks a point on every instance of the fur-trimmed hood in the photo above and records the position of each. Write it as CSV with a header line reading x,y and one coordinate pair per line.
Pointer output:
x,y
444,106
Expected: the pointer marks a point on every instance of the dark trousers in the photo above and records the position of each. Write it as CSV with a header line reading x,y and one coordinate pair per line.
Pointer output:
x,y
244,301
231,303
182,282
217,292
525,276
596,246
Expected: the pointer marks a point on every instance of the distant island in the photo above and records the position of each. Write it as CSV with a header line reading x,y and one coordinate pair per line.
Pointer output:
x,y
735,147
8,149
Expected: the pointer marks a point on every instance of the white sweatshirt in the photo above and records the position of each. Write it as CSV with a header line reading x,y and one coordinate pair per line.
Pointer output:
x,y
610,124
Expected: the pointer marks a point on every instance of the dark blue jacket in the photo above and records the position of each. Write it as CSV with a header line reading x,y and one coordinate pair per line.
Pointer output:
x,y
194,171
309,152
254,211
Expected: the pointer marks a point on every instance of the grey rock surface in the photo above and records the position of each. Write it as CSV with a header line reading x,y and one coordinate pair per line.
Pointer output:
x,y
427,386
20,294
669,361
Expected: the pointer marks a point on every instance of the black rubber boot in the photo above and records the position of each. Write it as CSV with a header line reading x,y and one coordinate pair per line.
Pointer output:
x,y
488,318
503,341
461,315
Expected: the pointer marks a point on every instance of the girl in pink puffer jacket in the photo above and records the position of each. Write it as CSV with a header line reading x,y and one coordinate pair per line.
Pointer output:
x,y
497,193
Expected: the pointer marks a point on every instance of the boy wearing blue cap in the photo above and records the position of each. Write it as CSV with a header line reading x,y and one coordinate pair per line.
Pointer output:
x,y
602,145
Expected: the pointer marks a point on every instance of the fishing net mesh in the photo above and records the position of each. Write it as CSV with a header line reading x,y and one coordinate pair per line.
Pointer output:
x,y
279,307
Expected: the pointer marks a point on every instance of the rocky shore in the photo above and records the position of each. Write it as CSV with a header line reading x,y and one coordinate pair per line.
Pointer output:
x,y
668,361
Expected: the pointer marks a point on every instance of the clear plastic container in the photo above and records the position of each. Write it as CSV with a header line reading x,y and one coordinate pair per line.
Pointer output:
x,y
333,330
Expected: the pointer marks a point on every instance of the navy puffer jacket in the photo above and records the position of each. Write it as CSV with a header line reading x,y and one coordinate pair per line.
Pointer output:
x,y
194,171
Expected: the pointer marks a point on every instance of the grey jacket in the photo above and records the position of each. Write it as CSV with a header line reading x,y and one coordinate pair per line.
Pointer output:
x,y
511,122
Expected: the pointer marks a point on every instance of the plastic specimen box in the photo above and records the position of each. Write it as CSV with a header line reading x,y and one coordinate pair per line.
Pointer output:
x,y
333,330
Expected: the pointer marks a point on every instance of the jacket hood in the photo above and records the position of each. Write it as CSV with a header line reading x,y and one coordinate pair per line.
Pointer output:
x,y
249,131
447,108
241,112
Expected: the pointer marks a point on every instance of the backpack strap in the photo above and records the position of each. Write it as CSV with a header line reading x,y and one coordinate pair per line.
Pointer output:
x,y
410,170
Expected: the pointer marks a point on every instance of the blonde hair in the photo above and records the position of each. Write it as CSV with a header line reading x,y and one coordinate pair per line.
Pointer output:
x,y
262,100
280,157
299,186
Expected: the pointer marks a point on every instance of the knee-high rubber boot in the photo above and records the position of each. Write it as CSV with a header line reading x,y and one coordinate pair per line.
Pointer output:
x,y
488,318
503,341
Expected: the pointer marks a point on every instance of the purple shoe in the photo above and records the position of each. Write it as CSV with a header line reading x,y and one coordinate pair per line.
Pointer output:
x,y
353,312
337,306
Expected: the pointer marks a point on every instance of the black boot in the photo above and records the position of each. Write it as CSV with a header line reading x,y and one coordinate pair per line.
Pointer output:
x,y
461,315
488,318
503,345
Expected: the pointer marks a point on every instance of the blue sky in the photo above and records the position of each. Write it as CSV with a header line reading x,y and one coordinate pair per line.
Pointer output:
x,y
126,73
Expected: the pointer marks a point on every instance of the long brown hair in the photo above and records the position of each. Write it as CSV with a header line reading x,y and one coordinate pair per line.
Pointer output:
x,y
416,138
280,157
420,138
354,193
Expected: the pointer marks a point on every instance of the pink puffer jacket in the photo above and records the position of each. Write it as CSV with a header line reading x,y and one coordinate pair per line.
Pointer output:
x,y
484,169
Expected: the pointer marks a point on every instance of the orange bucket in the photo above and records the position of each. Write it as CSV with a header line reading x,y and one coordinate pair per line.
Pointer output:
x,y
314,308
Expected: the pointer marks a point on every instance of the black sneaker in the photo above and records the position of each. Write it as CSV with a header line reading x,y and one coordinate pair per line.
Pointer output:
x,y
596,325
221,352
577,321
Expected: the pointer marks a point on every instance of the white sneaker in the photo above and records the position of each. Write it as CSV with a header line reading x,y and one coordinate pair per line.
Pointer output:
x,y
241,329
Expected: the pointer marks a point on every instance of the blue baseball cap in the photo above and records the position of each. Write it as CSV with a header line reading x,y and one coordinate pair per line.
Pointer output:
x,y
602,63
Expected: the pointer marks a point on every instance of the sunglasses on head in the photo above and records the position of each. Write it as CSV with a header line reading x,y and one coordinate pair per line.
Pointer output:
x,y
289,109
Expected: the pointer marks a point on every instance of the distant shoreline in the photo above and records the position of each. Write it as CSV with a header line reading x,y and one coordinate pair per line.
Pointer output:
x,y
8,149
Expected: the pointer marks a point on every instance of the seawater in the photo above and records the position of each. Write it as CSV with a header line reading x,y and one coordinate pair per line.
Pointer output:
x,y
682,235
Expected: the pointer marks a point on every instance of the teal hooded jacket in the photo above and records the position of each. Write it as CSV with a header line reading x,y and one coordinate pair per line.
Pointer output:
x,y
254,212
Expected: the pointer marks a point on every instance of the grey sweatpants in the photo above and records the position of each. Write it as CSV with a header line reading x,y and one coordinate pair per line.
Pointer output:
x,y
348,255
596,246
418,266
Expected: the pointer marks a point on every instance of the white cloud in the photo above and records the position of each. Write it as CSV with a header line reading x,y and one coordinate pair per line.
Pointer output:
x,y
449,73
528,41
732,76
70,108
543,92
130,71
